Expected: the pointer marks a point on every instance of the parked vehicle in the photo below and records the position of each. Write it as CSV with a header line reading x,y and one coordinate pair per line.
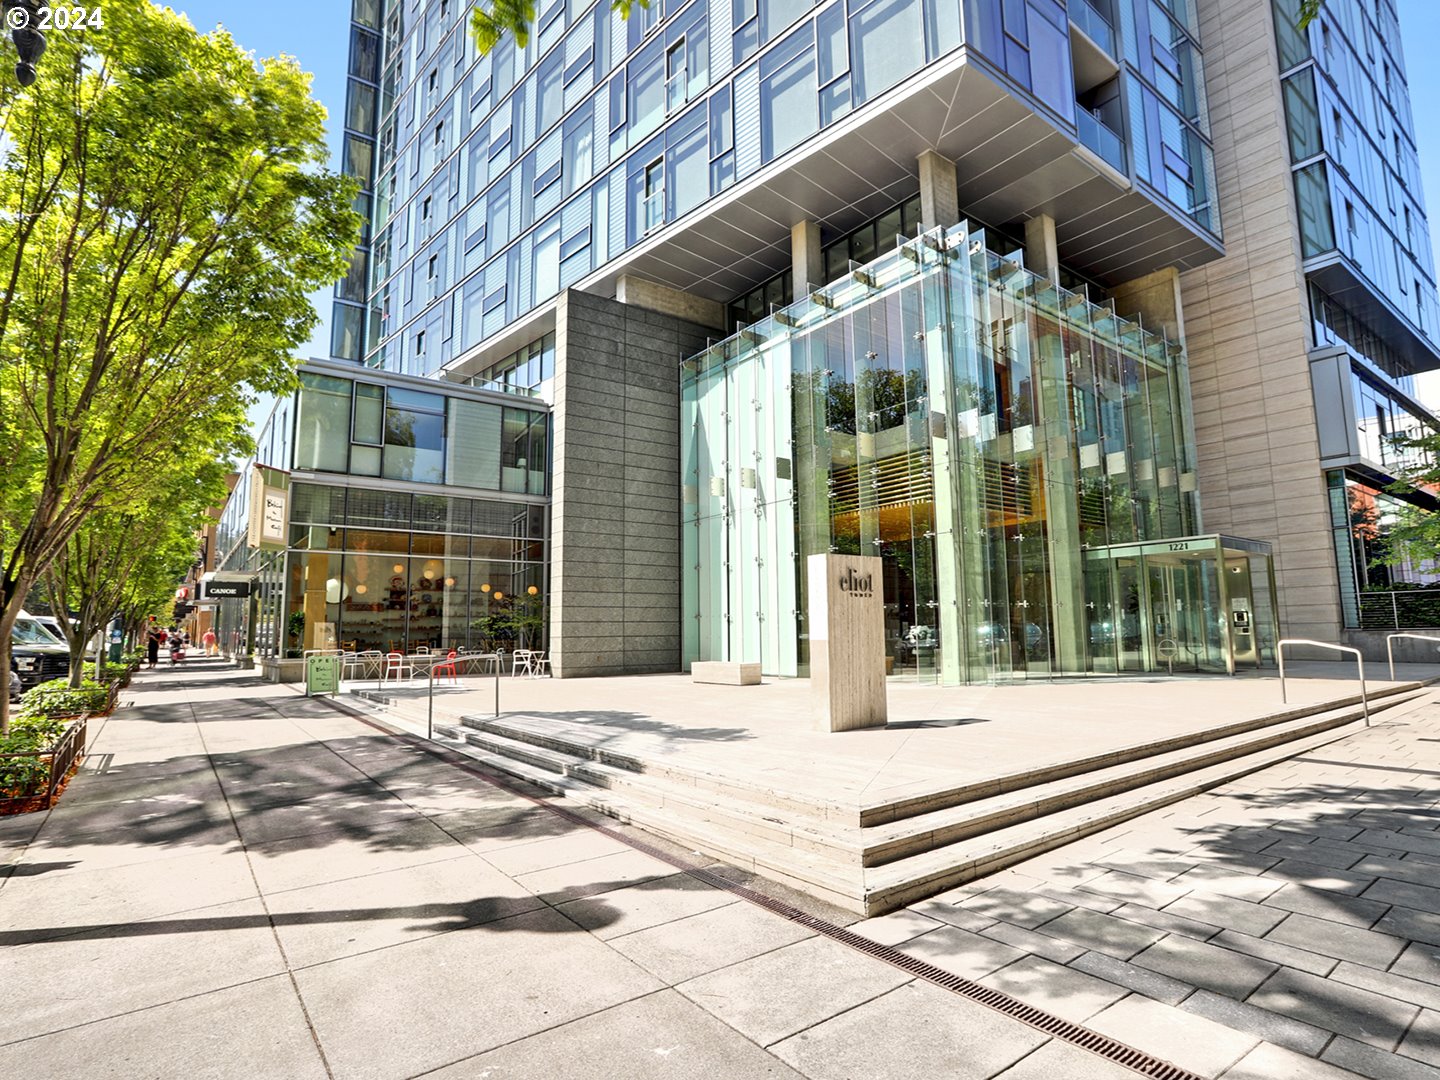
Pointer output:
x,y
36,655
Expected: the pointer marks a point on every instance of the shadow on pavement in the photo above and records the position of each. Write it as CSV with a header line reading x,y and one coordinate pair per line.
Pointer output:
x,y
493,913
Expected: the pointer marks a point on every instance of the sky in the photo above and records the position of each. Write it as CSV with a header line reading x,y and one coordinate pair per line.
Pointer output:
x,y
317,33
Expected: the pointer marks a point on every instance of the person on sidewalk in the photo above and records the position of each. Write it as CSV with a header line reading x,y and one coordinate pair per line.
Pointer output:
x,y
152,647
212,647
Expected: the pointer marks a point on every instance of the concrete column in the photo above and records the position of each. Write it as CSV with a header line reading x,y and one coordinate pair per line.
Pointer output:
x,y
615,574
1042,256
651,295
939,191
806,265
1155,298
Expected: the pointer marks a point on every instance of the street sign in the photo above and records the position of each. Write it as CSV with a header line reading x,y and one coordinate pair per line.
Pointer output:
x,y
322,675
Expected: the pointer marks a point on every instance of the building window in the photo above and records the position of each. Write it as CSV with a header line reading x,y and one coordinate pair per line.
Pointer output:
x,y
788,105
414,436
675,76
654,202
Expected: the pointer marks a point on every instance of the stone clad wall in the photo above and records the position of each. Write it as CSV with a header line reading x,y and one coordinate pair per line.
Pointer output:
x,y
1247,328
615,552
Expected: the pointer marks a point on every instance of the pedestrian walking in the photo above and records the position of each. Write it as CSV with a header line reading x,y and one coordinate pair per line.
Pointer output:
x,y
212,647
152,647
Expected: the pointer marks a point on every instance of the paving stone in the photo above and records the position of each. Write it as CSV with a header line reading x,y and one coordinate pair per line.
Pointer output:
x,y
1210,966
1226,912
522,974
1319,876
1244,840
959,951
1190,1041
1065,992
1330,830
1061,1059
1152,985
1420,960
1052,948
773,996
1376,1064
1103,933
182,1039
1422,1041
1267,1062
1148,864
1326,1003
894,928
952,914
1079,898
639,907
1272,1027
657,1037
1388,983
1415,925
1242,862
1019,909
1167,920
1400,841
688,947
1338,940
1405,894
1239,886
1276,952
916,1030
1334,857
1353,910
1418,871
1129,887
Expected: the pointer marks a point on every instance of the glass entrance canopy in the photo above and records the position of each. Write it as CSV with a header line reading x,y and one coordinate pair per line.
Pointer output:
x,y
989,435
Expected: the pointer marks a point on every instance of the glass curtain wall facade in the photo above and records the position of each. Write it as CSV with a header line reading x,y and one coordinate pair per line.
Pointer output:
x,y
1000,442
500,180
374,560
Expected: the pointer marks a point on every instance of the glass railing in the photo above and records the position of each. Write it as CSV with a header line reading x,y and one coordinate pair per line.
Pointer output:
x,y
654,210
1096,28
1095,134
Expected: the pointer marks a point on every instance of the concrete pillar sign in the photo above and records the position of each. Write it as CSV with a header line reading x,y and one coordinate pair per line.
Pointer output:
x,y
847,642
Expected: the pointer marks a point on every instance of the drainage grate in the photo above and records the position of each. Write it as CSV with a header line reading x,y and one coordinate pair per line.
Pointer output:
x,y
1106,1047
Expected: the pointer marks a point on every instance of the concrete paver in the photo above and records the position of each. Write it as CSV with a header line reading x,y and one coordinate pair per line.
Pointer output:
x,y
243,871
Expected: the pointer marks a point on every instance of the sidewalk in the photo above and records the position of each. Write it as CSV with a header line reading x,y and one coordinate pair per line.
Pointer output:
x,y
244,882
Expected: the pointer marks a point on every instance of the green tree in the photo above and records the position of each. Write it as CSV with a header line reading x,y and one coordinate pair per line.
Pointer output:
x,y
149,543
1414,535
1309,11
164,212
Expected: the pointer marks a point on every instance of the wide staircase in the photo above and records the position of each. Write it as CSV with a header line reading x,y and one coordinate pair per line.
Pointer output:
x,y
873,858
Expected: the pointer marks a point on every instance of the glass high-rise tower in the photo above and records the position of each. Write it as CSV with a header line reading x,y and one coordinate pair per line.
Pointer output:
x,y
572,218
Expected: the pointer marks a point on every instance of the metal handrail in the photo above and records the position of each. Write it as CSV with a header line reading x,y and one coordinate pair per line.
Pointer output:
x,y
1359,659
1390,649
498,660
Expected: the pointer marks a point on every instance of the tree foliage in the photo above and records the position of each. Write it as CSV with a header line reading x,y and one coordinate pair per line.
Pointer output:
x,y
489,22
165,211
1414,535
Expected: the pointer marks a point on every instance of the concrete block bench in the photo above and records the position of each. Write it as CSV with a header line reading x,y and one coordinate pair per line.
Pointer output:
x,y
725,672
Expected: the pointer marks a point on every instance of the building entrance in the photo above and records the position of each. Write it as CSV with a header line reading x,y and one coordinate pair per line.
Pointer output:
x,y
1201,603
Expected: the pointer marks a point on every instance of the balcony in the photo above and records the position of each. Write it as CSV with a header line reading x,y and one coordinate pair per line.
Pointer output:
x,y
1093,25
1096,135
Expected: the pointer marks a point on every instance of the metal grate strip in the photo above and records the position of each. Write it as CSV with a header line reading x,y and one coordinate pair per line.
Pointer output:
x,y
1111,1049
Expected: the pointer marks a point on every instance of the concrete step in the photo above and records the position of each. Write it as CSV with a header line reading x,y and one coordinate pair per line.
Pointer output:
x,y
909,879
812,872
718,810
894,840
590,743
882,810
